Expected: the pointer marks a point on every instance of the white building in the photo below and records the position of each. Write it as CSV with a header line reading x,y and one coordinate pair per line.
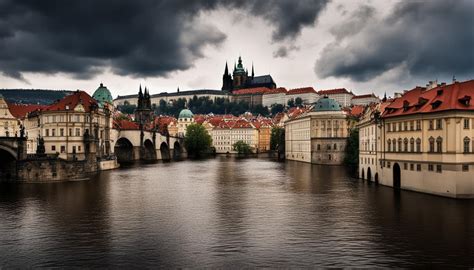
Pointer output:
x,y
341,95
365,99
9,125
227,132
276,96
307,94
170,97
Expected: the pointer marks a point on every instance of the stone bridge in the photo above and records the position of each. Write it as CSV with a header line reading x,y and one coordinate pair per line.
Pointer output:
x,y
131,145
12,149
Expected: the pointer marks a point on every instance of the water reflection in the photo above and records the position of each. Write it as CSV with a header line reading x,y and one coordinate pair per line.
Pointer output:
x,y
229,212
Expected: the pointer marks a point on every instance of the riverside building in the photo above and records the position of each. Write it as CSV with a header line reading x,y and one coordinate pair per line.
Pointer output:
x,y
318,136
426,141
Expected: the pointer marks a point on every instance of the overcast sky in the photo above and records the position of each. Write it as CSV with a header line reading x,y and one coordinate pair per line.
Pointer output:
x,y
365,46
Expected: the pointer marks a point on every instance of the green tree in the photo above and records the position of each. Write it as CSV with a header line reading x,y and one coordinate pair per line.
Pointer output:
x,y
291,103
127,108
242,148
197,140
277,138
277,108
298,102
352,149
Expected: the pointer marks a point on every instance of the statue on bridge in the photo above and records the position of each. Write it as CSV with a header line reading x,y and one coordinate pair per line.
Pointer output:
x,y
40,149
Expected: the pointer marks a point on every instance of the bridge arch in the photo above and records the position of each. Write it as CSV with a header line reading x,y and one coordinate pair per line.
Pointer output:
x,y
177,151
149,150
7,164
165,151
369,174
124,150
376,178
362,175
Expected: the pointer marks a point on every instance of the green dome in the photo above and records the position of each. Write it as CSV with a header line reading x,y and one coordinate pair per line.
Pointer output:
x,y
326,104
102,95
185,113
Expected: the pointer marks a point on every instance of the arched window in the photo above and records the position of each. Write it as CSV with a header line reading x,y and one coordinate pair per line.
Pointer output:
x,y
467,143
405,144
335,147
431,141
412,145
389,145
394,147
399,144
439,144
418,145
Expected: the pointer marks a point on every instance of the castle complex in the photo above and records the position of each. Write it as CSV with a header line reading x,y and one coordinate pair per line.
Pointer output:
x,y
240,79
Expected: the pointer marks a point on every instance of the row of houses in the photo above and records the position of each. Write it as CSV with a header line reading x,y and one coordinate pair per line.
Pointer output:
x,y
422,140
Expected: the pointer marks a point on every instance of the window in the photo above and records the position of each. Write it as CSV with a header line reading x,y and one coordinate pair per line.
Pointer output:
x,y
467,143
399,144
53,147
418,167
78,132
431,141
439,145
61,132
418,145
400,126
319,147
418,124
405,166
79,148
412,145
412,126
47,133
439,168
439,124
431,127
388,164
465,167
63,149
394,147
466,123
412,166
430,167
389,127
406,126
335,147
389,145
405,144
53,132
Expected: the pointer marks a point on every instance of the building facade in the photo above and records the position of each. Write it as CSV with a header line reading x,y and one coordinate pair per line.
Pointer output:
x,y
9,125
72,127
364,99
318,136
426,141
341,95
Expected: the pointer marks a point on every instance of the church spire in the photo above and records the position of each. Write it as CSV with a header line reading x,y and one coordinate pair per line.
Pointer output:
x,y
253,72
226,71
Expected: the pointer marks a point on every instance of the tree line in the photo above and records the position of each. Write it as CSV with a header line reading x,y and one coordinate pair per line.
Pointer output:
x,y
205,105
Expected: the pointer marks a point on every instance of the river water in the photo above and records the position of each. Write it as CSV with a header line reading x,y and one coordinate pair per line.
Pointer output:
x,y
225,212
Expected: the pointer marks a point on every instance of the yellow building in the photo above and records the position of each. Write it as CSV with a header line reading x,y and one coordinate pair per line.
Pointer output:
x,y
9,125
426,141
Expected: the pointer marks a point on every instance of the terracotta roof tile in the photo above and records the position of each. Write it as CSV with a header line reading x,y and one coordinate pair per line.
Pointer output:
x,y
334,91
20,111
71,101
456,96
302,90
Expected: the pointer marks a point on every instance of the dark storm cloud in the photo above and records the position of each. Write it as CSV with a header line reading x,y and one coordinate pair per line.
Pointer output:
x,y
428,38
284,51
131,37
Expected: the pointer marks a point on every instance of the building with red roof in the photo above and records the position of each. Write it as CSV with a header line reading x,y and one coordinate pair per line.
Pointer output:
x,y
70,127
365,99
341,95
423,141
9,124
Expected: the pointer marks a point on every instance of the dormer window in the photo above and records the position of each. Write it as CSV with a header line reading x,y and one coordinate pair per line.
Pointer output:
x,y
406,105
466,100
421,102
436,104
439,92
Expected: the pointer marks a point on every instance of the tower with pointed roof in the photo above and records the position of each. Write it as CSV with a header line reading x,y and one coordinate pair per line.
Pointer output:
x,y
241,79
226,80
144,111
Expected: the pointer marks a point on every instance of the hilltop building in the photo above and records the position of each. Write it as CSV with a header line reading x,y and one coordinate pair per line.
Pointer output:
x,y
9,125
341,95
240,79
